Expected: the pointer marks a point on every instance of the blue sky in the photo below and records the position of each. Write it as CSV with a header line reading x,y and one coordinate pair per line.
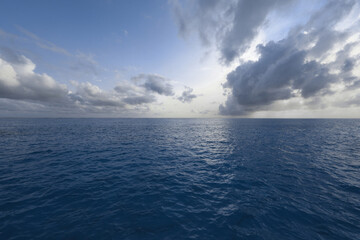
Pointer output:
x,y
116,34
178,58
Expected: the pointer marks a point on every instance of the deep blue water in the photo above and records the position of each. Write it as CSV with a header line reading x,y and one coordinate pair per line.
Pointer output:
x,y
179,179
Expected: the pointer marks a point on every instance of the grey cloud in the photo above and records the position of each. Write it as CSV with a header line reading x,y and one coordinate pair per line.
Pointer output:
x,y
328,16
233,23
202,112
142,88
21,108
124,88
89,94
280,70
248,17
187,95
348,65
321,26
353,101
326,39
137,100
123,95
355,84
291,67
182,23
233,108
19,81
11,56
21,86
155,83
205,17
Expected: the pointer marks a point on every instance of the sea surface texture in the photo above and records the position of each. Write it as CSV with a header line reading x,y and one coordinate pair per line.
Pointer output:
x,y
179,179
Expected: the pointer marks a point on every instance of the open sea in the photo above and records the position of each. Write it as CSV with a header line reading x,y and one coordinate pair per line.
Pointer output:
x,y
179,179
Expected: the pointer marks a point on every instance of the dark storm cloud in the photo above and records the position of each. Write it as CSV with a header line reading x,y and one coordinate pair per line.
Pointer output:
x,y
187,95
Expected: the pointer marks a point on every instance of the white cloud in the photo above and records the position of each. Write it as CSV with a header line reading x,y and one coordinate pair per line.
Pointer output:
x,y
19,81
22,87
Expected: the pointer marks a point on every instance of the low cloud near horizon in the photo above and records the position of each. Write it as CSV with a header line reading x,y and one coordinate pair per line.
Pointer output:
x,y
19,82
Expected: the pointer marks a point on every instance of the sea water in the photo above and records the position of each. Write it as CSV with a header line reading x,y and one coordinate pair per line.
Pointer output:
x,y
179,179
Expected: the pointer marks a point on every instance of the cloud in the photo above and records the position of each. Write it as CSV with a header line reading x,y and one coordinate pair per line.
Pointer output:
x,y
295,66
43,43
353,101
125,94
233,23
89,94
281,73
134,94
248,16
139,99
78,62
314,60
19,81
141,90
155,83
205,17
6,35
187,96
23,88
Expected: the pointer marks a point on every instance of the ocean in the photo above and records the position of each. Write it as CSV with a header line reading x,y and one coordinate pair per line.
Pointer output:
x,y
179,179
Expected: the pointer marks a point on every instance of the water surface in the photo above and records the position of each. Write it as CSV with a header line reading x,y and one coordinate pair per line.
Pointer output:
x,y
179,179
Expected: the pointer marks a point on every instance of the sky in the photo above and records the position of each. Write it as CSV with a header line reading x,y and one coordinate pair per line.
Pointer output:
x,y
180,58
